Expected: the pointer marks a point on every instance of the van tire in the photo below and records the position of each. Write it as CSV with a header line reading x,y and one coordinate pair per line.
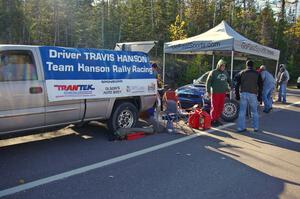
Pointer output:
x,y
231,110
124,115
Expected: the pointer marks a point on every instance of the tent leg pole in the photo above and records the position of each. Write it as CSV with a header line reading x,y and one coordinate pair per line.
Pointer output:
x,y
276,70
164,63
213,62
231,72
231,69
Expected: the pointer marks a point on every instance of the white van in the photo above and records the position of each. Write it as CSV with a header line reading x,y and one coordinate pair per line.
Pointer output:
x,y
32,98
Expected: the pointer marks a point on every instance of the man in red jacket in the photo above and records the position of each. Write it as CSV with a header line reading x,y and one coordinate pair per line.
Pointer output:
x,y
217,84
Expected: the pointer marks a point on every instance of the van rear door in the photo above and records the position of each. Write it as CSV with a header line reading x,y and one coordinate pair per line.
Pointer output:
x,y
22,93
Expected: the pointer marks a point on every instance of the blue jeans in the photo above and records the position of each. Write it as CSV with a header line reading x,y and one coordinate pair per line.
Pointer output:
x,y
282,93
248,99
267,97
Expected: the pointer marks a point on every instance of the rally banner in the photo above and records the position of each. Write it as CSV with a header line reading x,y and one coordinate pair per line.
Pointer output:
x,y
74,73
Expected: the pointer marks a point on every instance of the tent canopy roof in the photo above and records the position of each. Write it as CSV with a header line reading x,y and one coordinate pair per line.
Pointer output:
x,y
143,46
218,40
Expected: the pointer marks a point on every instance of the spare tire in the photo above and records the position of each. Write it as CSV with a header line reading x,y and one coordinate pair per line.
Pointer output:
x,y
231,110
124,115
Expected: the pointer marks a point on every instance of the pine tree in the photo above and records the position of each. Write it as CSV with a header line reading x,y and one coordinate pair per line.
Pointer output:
x,y
266,26
11,23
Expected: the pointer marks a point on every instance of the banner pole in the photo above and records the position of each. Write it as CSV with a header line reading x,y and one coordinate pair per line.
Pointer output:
x,y
164,64
276,70
213,62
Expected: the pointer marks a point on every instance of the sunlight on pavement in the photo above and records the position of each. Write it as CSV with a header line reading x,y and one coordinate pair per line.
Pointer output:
x,y
265,157
41,136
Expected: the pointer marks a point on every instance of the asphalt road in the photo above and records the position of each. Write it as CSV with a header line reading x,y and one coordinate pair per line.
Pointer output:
x,y
219,163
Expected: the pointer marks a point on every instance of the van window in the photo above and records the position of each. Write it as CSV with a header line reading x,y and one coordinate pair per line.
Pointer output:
x,y
17,66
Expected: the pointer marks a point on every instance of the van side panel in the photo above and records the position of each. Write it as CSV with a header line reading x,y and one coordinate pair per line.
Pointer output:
x,y
147,102
97,108
61,112
18,108
22,93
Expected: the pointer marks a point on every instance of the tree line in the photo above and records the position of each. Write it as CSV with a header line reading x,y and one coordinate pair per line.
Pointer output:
x,y
102,23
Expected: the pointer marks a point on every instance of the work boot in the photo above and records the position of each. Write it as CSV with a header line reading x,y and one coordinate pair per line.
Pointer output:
x,y
219,123
214,123
266,111
241,130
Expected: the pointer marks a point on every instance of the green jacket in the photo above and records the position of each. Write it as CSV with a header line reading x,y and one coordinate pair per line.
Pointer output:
x,y
219,81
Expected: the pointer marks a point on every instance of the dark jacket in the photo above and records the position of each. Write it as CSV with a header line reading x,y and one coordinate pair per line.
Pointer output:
x,y
249,81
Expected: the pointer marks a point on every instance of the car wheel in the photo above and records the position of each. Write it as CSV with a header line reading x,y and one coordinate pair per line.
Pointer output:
x,y
124,115
231,110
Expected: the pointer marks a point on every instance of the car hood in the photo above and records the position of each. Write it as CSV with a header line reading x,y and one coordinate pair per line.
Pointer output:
x,y
191,89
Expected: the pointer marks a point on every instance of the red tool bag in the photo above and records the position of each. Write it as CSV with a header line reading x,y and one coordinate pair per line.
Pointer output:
x,y
199,119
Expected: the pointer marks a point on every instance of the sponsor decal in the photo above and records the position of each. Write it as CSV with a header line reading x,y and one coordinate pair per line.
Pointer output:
x,y
74,90
74,87
79,73
112,90
151,87
256,48
198,45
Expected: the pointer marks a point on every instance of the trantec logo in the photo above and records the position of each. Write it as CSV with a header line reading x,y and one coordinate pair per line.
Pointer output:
x,y
75,90
82,87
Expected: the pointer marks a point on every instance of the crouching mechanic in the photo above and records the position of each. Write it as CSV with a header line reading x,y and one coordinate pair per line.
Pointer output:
x,y
217,84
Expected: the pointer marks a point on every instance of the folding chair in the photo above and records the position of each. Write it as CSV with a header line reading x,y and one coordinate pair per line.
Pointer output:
x,y
171,114
173,111
171,95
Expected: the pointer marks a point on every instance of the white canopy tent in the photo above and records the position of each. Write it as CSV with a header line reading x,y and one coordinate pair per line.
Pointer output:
x,y
143,46
223,40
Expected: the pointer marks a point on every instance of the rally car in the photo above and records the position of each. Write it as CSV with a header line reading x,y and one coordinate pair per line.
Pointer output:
x,y
192,94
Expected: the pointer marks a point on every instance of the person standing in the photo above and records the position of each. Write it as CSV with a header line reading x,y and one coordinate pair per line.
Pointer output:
x,y
248,90
159,86
157,75
268,88
217,85
282,81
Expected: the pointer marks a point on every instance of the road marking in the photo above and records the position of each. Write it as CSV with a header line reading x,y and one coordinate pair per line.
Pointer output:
x,y
293,94
283,107
98,165
291,139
